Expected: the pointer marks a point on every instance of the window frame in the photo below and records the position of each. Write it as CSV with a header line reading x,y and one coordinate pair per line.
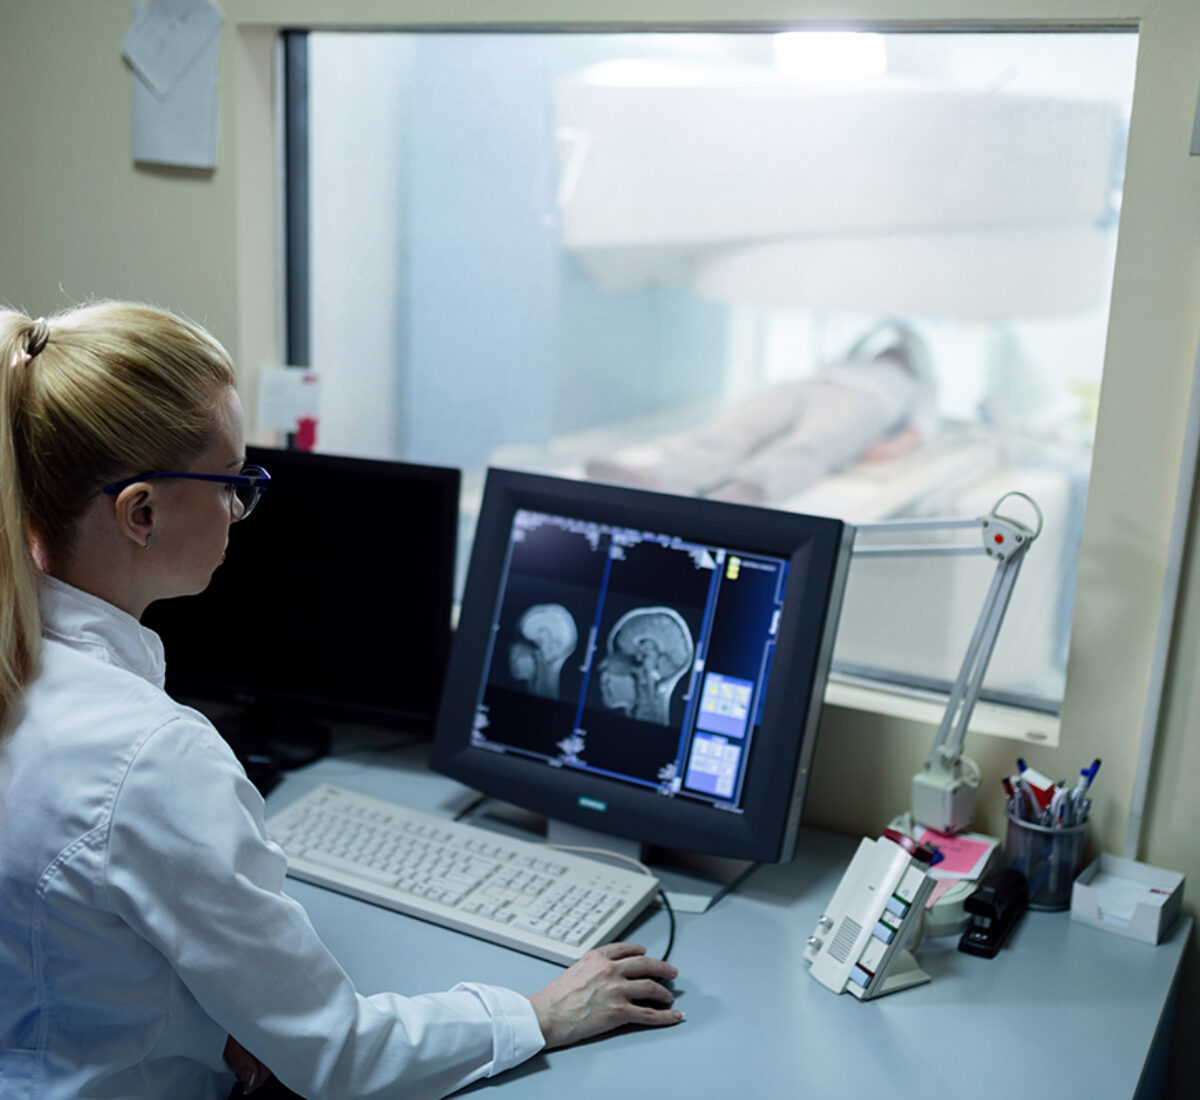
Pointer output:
x,y
879,691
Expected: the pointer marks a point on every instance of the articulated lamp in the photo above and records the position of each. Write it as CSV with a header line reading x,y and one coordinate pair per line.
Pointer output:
x,y
943,792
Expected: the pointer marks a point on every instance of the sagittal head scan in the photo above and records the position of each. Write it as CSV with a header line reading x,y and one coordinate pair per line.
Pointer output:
x,y
648,650
546,637
625,655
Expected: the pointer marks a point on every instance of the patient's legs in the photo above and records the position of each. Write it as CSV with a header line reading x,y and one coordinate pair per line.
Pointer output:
x,y
710,453
778,441
836,425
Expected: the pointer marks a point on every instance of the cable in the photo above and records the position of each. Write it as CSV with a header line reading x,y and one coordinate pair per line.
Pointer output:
x,y
671,918
370,745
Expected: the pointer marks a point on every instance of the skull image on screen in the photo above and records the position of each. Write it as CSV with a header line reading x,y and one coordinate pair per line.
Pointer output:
x,y
546,637
649,649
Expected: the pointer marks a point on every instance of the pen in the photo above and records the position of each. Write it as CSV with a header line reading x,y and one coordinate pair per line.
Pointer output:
x,y
1086,775
1068,809
1025,803
1026,806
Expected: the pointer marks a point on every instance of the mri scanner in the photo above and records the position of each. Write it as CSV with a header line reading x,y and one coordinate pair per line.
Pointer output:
x,y
894,198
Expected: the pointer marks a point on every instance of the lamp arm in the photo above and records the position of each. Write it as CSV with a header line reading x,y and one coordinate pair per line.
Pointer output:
x,y
946,799
965,692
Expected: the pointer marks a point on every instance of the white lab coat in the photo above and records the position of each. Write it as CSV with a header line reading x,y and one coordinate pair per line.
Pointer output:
x,y
141,913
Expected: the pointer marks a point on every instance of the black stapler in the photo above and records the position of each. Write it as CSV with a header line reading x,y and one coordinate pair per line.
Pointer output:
x,y
994,908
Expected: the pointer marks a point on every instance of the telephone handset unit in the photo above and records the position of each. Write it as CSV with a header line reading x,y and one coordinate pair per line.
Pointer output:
x,y
860,944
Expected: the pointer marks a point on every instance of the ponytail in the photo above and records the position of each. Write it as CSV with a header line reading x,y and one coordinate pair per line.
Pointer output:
x,y
20,626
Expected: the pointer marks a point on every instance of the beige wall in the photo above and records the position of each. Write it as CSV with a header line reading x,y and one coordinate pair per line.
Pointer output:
x,y
79,219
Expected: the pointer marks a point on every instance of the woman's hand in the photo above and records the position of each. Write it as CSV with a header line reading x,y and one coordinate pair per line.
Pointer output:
x,y
608,987
250,1071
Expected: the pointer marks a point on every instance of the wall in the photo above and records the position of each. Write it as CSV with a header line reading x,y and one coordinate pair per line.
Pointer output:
x,y
80,220
352,266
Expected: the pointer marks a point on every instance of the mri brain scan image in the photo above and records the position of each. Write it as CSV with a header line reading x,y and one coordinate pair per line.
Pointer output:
x,y
648,650
546,637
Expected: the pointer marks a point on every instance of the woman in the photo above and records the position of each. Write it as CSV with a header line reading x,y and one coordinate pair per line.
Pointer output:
x,y
145,944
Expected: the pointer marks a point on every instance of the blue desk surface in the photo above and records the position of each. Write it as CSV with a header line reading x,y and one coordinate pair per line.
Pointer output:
x,y
1064,1010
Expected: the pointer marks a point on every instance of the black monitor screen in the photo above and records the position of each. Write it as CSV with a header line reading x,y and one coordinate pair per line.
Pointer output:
x,y
334,600
645,665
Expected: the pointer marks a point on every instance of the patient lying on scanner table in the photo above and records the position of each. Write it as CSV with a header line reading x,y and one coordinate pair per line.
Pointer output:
x,y
875,403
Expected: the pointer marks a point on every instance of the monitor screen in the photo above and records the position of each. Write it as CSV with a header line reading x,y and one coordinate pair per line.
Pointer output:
x,y
334,600
644,665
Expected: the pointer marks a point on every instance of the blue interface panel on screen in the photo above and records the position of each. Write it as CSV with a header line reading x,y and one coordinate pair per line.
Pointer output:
x,y
643,665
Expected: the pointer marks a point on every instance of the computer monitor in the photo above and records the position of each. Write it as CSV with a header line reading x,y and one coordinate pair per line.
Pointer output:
x,y
643,665
333,603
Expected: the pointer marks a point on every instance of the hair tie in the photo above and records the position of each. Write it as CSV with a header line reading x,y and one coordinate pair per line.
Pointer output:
x,y
38,337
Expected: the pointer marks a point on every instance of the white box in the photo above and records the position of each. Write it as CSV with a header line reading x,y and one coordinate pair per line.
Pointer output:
x,y
1127,897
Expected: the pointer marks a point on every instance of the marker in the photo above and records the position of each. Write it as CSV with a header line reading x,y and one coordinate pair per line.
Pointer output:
x,y
1086,775
1060,800
1024,805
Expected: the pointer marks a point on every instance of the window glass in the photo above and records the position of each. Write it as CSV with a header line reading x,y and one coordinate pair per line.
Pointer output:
x,y
851,274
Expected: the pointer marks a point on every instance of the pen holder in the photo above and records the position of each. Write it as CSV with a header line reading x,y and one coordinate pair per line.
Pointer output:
x,y
1048,857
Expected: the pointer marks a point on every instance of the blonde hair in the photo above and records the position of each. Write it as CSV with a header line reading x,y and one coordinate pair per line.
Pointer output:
x,y
87,396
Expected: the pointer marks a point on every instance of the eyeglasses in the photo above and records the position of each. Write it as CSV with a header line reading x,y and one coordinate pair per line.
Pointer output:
x,y
247,486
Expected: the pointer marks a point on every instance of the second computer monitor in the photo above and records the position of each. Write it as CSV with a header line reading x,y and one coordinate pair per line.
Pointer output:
x,y
644,665
334,601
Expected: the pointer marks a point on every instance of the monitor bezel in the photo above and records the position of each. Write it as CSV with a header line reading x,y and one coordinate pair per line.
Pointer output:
x,y
777,775
234,690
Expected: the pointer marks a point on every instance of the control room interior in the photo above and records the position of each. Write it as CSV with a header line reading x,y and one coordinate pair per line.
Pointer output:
x,y
1103,623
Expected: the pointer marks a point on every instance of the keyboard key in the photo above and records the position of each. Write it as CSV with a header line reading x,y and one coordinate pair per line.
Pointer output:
x,y
552,904
340,863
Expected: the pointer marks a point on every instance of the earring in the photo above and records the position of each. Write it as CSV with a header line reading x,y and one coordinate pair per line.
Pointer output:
x,y
149,541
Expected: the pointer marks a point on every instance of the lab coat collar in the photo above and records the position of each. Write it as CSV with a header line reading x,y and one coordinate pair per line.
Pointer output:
x,y
86,622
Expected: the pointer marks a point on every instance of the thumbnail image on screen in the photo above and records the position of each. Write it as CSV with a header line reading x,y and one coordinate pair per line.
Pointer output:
x,y
630,654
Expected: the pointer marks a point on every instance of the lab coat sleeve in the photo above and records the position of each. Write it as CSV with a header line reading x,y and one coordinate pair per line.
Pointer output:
x,y
191,870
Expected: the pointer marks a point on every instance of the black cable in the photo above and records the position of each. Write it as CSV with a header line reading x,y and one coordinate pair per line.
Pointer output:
x,y
367,745
671,917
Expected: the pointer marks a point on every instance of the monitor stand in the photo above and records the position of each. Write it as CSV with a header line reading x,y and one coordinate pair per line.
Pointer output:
x,y
692,882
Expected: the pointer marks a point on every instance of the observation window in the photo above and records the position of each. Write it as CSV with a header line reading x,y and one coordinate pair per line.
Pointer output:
x,y
853,274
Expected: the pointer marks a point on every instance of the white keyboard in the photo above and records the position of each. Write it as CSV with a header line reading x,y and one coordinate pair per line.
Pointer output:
x,y
527,896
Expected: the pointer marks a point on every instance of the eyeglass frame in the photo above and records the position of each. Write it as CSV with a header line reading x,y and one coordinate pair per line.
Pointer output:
x,y
260,481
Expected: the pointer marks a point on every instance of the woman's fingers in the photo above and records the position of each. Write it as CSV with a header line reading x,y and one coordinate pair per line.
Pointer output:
x,y
611,985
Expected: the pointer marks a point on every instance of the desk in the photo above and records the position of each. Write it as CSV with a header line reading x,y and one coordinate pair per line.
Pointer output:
x,y
1066,1009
